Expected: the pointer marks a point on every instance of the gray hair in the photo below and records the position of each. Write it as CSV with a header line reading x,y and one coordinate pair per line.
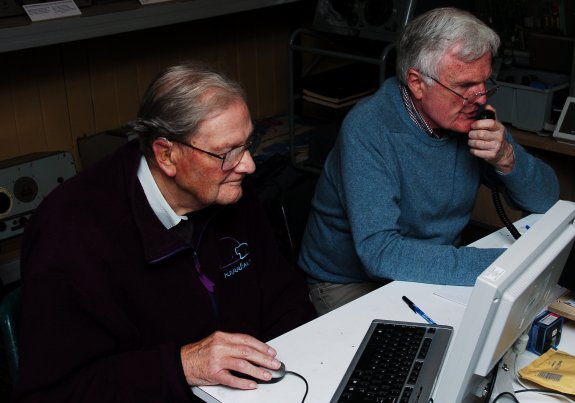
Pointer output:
x,y
427,38
179,99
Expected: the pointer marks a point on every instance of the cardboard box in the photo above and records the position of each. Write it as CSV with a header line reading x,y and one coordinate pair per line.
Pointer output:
x,y
564,306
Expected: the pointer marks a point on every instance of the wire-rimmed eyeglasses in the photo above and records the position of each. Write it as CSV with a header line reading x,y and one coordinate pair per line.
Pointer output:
x,y
229,159
473,97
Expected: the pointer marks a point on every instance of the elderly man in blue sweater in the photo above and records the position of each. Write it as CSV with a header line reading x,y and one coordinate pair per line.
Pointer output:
x,y
399,186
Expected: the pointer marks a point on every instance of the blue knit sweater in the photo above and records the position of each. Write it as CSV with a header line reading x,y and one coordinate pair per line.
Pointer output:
x,y
392,201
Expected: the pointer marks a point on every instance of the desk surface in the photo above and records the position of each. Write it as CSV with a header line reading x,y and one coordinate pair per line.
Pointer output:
x,y
548,143
322,349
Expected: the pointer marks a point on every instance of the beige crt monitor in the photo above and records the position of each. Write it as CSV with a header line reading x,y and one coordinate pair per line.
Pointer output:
x,y
565,128
505,300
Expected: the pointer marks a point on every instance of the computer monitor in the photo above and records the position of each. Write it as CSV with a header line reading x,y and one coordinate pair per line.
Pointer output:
x,y
504,301
565,128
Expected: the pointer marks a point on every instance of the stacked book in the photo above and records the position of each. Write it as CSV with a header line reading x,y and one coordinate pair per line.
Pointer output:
x,y
340,87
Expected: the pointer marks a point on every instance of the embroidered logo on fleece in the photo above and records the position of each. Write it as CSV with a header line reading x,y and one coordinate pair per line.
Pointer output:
x,y
235,256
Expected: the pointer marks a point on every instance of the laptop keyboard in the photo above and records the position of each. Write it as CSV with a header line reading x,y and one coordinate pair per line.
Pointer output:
x,y
388,364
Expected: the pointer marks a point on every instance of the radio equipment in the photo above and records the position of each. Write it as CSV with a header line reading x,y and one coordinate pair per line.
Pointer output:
x,y
371,19
24,182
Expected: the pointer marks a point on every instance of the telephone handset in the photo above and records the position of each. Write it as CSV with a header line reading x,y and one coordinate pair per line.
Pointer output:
x,y
489,114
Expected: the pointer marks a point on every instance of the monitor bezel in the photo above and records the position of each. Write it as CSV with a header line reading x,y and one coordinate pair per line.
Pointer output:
x,y
560,134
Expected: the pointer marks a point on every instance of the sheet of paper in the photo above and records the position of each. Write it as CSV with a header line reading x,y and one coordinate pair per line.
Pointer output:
x,y
453,293
51,10
461,295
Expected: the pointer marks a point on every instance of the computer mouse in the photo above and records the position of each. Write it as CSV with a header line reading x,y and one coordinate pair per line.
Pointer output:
x,y
277,375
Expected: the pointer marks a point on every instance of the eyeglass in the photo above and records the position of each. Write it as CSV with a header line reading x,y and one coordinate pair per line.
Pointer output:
x,y
473,97
230,159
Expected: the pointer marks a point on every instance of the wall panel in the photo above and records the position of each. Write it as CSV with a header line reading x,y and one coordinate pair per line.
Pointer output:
x,y
53,101
52,95
29,79
76,66
103,86
8,128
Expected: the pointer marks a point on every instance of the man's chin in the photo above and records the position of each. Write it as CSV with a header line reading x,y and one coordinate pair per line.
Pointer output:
x,y
231,196
464,126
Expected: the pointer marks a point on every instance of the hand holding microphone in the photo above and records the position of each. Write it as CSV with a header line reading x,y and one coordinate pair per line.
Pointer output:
x,y
487,141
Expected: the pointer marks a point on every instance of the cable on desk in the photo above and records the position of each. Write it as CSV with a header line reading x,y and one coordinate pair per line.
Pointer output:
x,y
566,396
536,390
491,386
304,380
546,392
508,394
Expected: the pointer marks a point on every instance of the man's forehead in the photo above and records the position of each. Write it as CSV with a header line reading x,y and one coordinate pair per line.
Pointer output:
x,y
234,129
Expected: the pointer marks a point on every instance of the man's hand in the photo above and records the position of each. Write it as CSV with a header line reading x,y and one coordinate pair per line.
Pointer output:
x,y
487,141
209,361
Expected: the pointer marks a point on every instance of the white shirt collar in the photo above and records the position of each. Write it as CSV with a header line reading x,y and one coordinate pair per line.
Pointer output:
x,y
163,211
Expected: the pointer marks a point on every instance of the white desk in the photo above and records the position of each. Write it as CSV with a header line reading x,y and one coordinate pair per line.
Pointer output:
x,y
321,350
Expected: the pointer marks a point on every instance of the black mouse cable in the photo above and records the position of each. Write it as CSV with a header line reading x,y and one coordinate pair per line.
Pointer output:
x,y
304,380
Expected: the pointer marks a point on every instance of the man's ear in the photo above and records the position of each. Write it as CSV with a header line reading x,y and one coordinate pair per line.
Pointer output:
x,y
415,83
164,156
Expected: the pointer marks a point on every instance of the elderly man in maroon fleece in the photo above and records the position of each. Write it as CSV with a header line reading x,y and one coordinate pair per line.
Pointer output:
x,y
155,270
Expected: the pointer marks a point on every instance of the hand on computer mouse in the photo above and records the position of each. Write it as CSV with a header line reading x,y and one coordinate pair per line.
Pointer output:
x,y
277,375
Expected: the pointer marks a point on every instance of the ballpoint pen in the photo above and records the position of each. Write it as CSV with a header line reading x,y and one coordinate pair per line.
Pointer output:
x,y
416,309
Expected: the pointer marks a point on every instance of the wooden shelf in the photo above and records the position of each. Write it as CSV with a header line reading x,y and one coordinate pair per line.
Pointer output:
x,y
547,143
116,17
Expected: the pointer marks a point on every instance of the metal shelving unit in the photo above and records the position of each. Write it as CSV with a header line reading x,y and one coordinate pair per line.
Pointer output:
x,y
296,46
354,32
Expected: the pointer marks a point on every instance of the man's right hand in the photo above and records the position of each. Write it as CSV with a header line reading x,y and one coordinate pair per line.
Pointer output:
x,y
209,361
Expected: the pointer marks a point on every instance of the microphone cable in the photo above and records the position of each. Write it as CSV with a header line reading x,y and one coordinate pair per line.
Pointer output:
x,y
501,213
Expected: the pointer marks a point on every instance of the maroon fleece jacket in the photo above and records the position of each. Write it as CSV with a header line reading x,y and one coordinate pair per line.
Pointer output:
x,y
110,295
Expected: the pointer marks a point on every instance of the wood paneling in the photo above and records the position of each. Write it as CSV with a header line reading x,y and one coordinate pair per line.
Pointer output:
x,y
52,95
76,66
8,129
